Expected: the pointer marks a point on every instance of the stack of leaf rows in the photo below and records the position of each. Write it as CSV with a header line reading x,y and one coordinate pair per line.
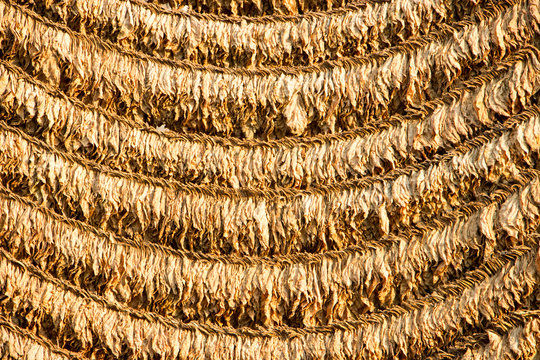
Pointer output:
x,y
269,179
